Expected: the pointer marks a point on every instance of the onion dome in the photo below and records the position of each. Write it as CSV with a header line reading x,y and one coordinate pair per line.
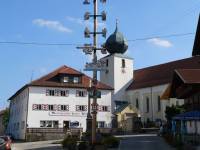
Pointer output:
x,y
116,43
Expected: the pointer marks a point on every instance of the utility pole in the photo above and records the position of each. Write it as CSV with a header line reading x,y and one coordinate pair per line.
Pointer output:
x,y
95,65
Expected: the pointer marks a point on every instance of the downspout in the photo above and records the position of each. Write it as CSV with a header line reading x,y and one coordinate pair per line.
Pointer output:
x,y
152,103
26,115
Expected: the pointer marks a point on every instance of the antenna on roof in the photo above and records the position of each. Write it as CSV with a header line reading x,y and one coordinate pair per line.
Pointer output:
x,y
32,73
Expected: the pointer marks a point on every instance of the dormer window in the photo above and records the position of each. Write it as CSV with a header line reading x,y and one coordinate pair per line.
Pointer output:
x,y
76,79
65,79
71,79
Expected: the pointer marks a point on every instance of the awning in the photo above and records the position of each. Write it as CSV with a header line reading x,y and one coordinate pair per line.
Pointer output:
x,y
192,115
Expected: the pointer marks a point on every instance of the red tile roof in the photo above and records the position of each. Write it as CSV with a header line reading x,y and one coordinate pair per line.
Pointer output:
x,y
189,76
161,74
49,81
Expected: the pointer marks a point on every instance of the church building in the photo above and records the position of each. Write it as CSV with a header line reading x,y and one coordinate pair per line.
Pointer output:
x,y
60,99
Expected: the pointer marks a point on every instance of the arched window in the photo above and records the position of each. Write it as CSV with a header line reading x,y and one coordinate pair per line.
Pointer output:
x,y
123,63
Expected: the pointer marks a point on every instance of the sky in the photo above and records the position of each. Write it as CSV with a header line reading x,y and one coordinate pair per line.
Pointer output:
x,y
61,21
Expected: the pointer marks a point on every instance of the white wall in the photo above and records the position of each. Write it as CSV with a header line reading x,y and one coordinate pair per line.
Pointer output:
x,y
152,93
38,96
117,77
18,112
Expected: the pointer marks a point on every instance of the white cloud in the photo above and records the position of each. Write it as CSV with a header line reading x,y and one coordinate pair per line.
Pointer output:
x,y
55,25
84,23
161,42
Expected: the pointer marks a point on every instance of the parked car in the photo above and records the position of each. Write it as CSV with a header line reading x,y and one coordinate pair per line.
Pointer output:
x,y
2,144
8,142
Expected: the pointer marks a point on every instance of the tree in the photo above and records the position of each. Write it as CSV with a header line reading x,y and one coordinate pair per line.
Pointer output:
x,y
6,117
172,111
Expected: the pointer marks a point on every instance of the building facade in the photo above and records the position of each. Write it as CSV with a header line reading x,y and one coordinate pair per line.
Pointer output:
x,y
58,100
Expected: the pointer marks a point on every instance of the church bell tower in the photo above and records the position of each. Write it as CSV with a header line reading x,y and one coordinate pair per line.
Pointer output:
x,y
119,73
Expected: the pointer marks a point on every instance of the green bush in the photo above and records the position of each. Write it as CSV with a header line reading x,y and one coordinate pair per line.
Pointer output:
x,y
70,143
111,142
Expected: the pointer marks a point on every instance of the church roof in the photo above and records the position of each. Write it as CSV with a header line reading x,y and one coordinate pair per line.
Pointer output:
x,y
116,43
161,74
53,80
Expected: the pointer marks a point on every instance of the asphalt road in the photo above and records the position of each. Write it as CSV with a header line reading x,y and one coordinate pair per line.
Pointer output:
x,y
127,142
143,142
41,145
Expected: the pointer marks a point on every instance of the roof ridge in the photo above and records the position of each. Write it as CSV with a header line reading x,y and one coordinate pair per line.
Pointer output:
x,y
166,63
54,72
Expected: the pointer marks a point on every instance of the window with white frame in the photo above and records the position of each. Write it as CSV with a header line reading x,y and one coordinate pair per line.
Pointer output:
x,y
64,107
49,123
50,107
80,93
81,107
57,92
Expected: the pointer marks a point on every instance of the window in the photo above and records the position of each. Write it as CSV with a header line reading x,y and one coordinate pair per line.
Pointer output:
x,y
50,107
74,124
65,79
55,124
81,93
101,124
81,107
64,107
62,93
42,124
159,104
147,104
123,63
107,62
57,92
49,124
76,80
104,108
137,103
49,92
39,107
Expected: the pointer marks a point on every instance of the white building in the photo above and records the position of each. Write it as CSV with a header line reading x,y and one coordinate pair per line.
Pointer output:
x,y
143,88
56,101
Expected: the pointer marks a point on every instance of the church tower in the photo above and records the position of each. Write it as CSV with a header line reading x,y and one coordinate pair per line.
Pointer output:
x,y
119,67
